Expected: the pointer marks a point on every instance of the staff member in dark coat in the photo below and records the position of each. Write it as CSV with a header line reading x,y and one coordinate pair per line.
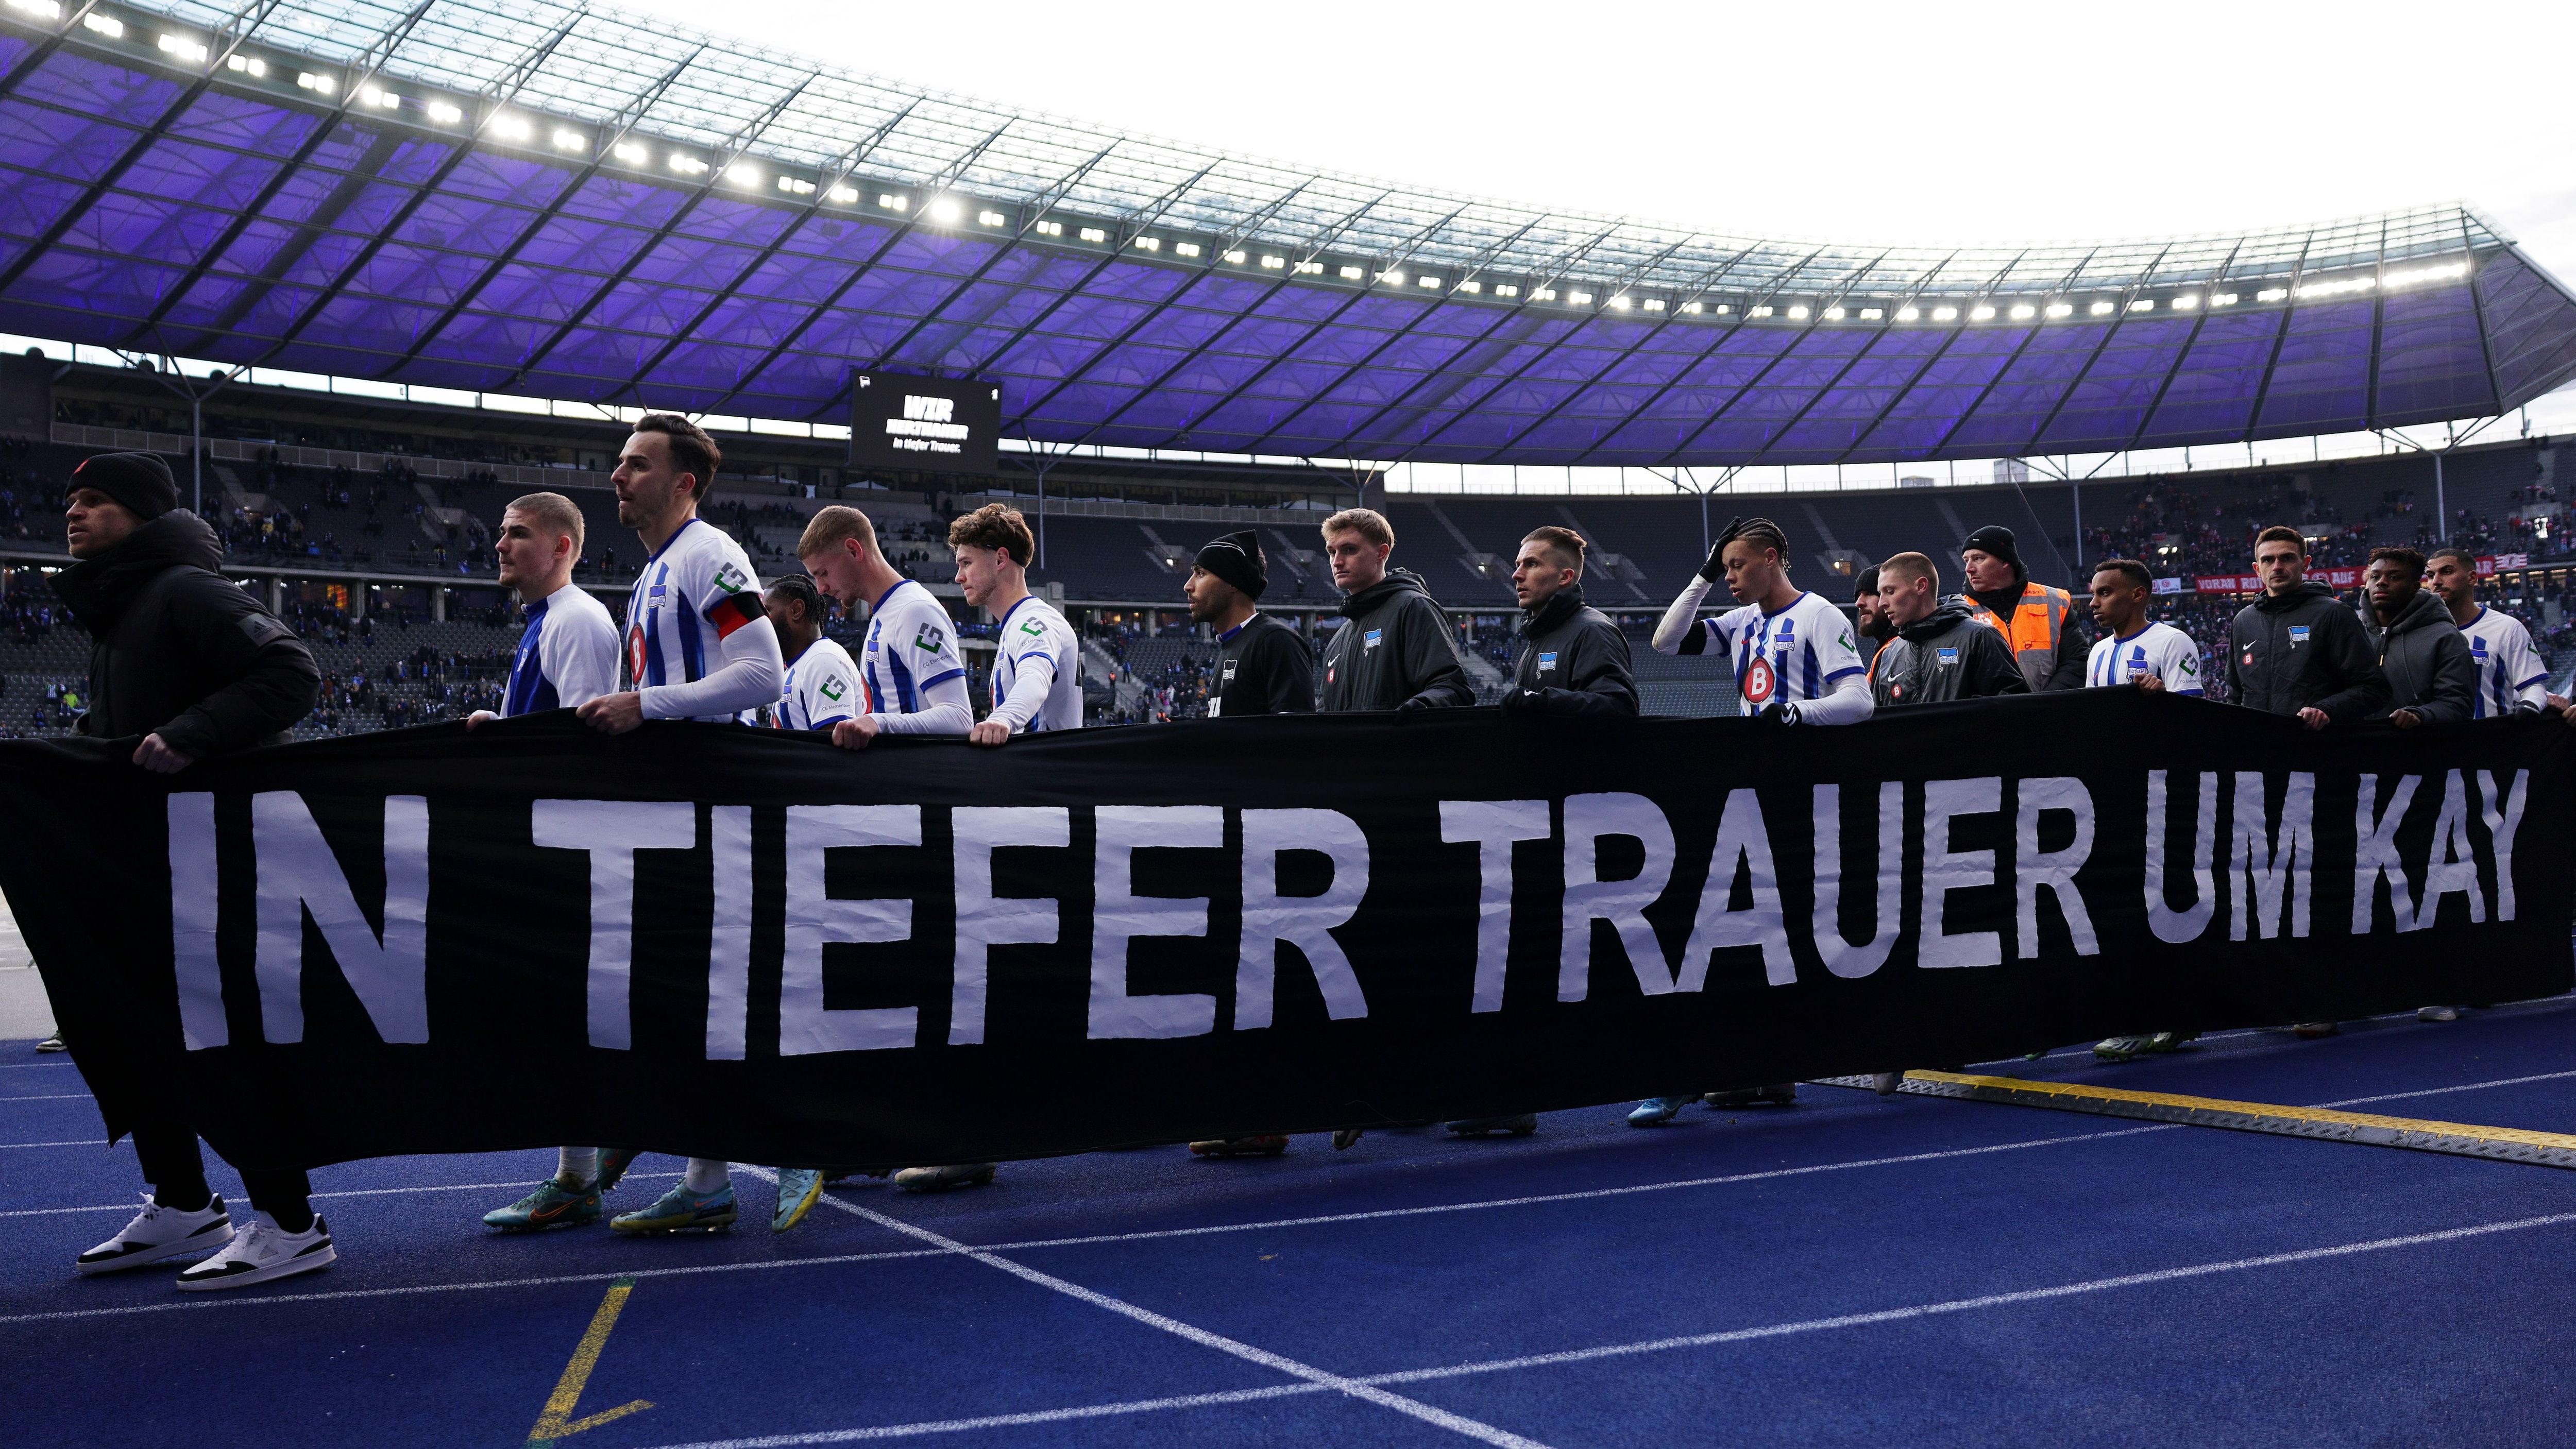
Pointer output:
x,y
1941,651
1397,651
1573,660
2431,677
182,657
2298,650
1265,667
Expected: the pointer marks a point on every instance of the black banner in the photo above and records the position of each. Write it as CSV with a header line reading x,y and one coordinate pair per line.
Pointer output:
x,y
740,943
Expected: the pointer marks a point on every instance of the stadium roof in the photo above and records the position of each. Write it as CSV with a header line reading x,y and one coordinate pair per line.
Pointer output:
x,y
529,197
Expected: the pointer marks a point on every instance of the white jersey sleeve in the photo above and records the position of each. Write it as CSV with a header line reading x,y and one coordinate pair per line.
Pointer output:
x,y
578,647
2511,674
914,675
693,598
1035,666
821,690
2160,650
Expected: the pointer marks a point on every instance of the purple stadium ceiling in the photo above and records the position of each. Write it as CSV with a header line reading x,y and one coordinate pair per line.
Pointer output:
x,y
451,195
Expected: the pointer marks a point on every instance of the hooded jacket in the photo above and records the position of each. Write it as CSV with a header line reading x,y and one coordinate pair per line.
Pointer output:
x,y
1264,667
176,649
1397,646
1573,659
2425,659
2288,652
1947,654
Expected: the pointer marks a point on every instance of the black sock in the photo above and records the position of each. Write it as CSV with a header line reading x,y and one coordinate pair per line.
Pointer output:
x,y
295,1217
183,1197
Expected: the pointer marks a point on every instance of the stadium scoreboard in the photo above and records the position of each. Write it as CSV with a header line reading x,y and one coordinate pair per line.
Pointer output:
x,y
933,424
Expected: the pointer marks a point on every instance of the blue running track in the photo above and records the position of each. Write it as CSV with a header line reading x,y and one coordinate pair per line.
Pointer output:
x,y
1847,1270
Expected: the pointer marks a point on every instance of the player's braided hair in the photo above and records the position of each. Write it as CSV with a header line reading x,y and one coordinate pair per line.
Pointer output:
x,y
801,589
1762,532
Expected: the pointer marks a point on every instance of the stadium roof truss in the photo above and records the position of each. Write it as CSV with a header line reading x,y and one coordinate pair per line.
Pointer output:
x,y
531,197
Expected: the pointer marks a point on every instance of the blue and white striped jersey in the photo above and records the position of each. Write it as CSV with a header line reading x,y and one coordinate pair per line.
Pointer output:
x,y
2510,674
567,656
1036,639
694,591
821,689
911,650
1798,654
2158,649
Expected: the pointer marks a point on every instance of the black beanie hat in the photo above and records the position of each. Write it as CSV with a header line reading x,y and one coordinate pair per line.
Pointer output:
x,y
1995,539
140,481
1867,583
1236,558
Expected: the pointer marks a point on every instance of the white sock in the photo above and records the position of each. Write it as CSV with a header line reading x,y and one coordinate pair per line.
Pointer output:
x,y
706,1174
577,1166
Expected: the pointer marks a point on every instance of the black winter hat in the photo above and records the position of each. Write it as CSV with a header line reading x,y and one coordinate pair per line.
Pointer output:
x,y
140,481
1995,539
1236,558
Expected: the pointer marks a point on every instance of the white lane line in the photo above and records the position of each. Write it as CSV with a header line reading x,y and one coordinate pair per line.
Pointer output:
x,y
2438,1091
31,1066
76,1142
1135,1237
121,1207
1432,1414
1645,1346
56,1097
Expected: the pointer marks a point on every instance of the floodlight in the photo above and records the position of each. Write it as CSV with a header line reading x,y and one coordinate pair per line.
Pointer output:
x,y
1798,314
1909,314
570,140
445,113
1757,311
945,211
2223,299
1945,314
2101,309
1620,302
1349,274
1981,313
1654,304
1871,314
1578,299
2186,303
2061,309
249,65
1506,289
186,47
687,165
995,218
1835,314
2143,304
41,9
2023,312
1431,282
1693,308
743,173
1274,263
795,186
1470,288
510,128
1391,278
632,154
1142,243
107,25
1543,294
1179,249
1094,234
892,202
318,84
2272,294
1238,258
1308,269
1050,228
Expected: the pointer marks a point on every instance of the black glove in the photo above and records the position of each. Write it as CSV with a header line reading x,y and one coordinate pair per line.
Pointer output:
x,y
1715,568
1413,707
1778,716
1522,701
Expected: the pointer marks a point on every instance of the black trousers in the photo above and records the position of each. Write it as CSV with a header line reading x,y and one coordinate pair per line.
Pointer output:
x,y
177,1171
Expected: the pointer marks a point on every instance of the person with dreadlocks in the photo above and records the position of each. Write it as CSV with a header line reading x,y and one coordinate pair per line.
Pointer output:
x,y
821,680
1794,655
1795,663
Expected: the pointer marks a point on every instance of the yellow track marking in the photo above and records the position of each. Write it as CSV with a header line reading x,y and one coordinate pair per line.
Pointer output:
x,y
557,1421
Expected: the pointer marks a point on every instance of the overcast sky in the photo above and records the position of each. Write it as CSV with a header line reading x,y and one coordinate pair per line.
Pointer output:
x,y
1930,123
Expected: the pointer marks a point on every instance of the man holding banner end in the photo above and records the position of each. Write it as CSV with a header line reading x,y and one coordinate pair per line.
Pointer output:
x,y
2299,650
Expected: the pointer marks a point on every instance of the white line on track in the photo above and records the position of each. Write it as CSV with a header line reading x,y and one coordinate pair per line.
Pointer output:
x,y
76,1142
2439,1091
120,1207
1277,1363
1646,1346
56,1097
31,1066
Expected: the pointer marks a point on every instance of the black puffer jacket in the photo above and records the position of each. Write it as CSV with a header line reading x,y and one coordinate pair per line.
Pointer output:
x,y
178,650
2425,658
1397,646
2288,652
1573,660
1946,654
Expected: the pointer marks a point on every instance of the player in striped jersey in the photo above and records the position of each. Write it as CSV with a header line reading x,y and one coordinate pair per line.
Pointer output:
x,y
1037,658
698,646
912,674
2511,676
2134,649
822,687
1793,653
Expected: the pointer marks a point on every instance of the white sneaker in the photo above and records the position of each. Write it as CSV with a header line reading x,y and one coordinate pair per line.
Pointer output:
x,y
2437,1013
158,1233
262,1251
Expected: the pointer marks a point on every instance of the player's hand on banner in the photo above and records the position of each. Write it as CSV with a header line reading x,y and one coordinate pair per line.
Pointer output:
x,y
2150,684
2315,718
854,734
613,714
985,732
2405,719
478,717
1413,708
155,754
1521,702
1779,716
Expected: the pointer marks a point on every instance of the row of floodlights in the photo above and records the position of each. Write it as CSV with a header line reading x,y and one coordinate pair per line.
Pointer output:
x,y
950,211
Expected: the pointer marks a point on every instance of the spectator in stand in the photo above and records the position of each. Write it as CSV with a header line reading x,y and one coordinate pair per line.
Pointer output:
x,y
2298,650
2037,621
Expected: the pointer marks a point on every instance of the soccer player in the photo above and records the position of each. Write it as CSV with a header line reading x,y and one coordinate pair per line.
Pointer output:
x,y
567,657
2299,650
1795,663
698,646
1397,649
2036,620
2431,677
1036,656
915,680
1794,655
1573,660
1264,666
2511,678
822,687
1940,651
2157,658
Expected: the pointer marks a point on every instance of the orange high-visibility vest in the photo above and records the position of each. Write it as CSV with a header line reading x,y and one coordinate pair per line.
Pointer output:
x,y
2032,632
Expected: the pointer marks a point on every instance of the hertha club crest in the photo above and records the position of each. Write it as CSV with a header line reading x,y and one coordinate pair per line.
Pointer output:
x,y
1758,681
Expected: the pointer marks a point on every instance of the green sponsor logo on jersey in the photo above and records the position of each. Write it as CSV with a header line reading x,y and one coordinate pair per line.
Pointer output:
x,y
730,579
930,638
2190,665
833,689
1033,628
